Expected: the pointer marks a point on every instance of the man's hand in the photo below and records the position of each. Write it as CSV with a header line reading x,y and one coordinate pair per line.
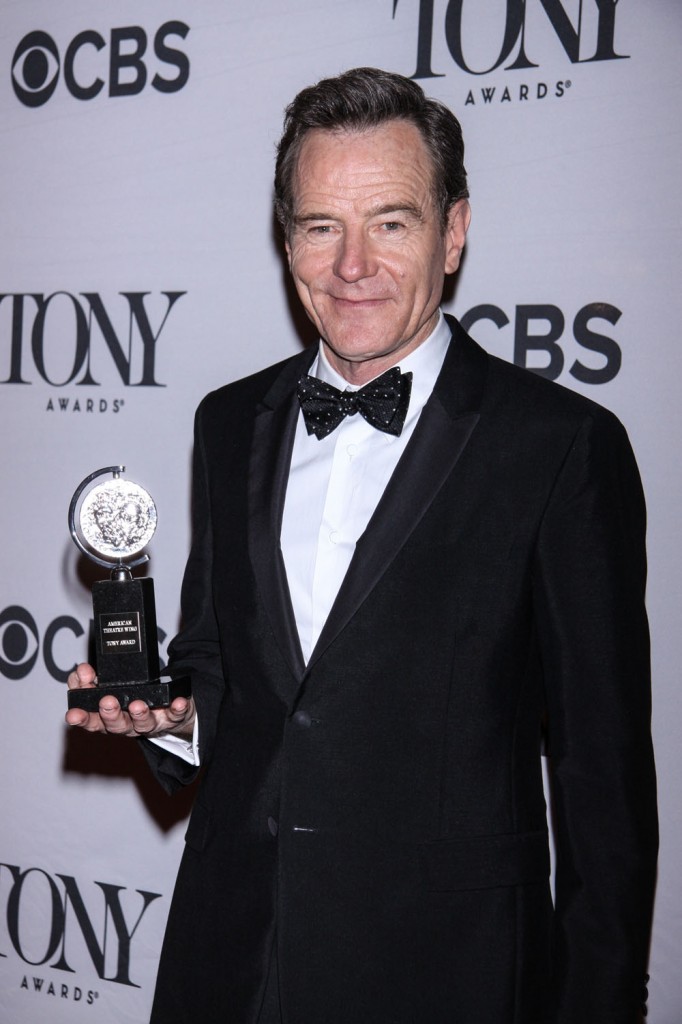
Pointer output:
x,y
138,720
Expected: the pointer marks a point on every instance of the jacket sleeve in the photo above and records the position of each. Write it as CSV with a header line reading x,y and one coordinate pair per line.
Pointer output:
x,y
589,584
195,651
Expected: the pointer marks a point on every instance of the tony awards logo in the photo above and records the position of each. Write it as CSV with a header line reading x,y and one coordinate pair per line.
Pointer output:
x,y
111,523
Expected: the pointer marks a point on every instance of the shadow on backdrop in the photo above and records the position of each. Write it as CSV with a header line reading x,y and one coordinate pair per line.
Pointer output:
x,y
119,757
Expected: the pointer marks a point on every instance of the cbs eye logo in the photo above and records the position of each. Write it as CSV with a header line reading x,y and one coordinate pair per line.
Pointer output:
x,y
35,69
20,643
36,64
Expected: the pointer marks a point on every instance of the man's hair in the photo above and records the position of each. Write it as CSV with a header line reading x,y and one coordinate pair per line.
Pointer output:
x,y
365,98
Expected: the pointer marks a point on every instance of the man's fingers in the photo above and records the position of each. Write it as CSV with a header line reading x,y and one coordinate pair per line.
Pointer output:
x,y
81,718
109,717
138,720
180,716
83,676
114,720
179,710
143,720
146,722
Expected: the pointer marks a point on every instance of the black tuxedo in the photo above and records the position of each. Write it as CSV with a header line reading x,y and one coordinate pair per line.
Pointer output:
x,y
381,810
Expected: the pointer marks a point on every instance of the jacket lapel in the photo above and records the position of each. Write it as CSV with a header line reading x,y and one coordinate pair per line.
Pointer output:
x,y
441,435
273,438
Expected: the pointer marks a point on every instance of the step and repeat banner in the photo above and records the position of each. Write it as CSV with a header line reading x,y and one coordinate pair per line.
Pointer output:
x,y
140,268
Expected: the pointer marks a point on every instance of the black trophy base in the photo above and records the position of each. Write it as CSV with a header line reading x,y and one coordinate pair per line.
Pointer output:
x,y
156,693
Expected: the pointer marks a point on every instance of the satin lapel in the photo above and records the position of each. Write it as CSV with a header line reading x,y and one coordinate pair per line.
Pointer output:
x,y
441,435
273,438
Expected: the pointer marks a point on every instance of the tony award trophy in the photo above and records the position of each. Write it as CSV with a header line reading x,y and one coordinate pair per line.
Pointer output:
x,y
111,524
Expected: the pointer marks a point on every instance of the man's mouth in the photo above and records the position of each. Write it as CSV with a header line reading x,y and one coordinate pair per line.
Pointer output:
x,y
360,303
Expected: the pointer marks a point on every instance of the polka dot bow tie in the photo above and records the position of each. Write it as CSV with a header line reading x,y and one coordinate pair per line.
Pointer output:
x,y
383,403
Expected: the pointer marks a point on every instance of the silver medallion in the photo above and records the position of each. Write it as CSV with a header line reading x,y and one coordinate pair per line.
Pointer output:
x,y
118,518
112,521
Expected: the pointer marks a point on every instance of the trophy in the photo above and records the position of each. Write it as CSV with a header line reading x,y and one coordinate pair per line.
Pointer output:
x,y
116,520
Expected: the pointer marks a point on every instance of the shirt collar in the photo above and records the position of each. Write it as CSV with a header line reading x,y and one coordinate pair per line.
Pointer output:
x,y
424,362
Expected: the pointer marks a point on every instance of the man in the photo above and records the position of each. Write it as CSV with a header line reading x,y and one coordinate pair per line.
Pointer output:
x,y
389,592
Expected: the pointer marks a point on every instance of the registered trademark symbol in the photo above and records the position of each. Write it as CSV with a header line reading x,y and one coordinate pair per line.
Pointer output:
x,y
567,84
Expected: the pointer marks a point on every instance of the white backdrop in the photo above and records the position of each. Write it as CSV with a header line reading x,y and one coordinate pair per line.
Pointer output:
x,y
139,269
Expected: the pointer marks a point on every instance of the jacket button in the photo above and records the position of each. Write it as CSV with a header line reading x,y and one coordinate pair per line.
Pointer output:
x,y
302,719
273,827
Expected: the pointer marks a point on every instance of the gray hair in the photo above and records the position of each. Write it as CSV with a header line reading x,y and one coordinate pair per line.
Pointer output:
x,y
364,98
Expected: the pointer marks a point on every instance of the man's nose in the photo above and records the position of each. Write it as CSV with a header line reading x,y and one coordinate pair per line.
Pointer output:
x,y
354,259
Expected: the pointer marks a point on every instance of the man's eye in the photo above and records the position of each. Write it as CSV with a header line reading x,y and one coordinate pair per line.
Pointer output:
x,y
320,229
392,225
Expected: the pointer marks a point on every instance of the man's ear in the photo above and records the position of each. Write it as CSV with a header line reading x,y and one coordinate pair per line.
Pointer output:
x,y
456,229
287,249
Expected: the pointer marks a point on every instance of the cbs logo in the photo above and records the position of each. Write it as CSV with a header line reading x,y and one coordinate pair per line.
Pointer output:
x,y
36,63
21,644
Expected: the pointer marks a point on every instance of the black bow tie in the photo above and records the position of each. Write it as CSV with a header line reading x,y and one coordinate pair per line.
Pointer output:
x,y
383,403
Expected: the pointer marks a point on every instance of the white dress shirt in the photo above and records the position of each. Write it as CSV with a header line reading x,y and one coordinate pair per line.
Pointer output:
x,y
335,484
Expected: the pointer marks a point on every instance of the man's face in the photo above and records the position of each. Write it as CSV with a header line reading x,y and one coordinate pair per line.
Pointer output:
x,y
367,249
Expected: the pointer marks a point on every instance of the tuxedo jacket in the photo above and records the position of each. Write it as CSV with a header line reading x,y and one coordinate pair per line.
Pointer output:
x,y
375,819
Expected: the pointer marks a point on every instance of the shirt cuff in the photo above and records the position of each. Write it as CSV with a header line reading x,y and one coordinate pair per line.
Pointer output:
x,y
188,750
